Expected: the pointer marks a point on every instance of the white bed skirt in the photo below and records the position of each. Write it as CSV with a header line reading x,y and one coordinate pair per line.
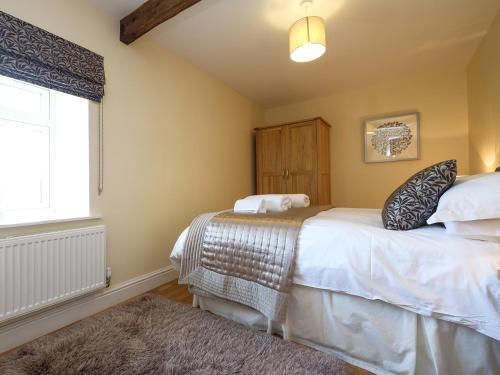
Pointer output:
x,y
374,335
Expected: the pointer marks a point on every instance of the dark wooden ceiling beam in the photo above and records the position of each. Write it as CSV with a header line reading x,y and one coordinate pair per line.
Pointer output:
x,y
149,15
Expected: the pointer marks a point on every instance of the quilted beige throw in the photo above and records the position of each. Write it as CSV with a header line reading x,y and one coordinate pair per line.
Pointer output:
x,y
244,258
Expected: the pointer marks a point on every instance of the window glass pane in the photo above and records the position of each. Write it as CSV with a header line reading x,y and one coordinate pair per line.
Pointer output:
x,y
20,97
25,165
72,161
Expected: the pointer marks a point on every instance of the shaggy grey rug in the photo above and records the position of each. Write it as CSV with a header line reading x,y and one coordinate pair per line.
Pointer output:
x,y
153,335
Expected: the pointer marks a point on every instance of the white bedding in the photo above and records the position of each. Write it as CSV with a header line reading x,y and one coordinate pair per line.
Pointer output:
x,y
423,270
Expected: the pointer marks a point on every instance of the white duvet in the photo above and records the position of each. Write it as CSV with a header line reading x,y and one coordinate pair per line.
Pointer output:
x,y
424,270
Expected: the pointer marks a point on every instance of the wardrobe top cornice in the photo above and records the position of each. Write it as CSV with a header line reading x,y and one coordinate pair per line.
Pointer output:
x,y
292,123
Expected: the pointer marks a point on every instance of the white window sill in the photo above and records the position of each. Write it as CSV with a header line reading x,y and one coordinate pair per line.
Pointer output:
x,y
53,221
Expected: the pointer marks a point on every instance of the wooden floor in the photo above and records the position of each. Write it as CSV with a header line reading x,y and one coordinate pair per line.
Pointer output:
x,y
175,291
180,293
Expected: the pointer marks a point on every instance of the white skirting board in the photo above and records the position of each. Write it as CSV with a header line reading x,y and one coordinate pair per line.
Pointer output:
x,y
50,320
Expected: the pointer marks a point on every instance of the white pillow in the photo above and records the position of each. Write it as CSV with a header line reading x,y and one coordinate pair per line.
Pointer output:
x,y
474,197
486,230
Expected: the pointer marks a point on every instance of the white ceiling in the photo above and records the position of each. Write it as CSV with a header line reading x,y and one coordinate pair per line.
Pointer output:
x,y
244,43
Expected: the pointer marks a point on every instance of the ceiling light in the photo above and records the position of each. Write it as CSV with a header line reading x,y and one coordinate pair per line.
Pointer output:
x,y
307,37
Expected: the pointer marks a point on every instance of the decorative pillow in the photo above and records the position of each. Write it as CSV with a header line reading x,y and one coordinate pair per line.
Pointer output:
x,y
475,197
484,230
411,204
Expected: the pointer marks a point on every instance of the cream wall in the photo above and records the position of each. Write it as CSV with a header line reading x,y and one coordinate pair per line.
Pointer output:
x,y
442,103
177,141
483,75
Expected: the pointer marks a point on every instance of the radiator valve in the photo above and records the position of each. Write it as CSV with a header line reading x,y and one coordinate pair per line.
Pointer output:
x,y
108,276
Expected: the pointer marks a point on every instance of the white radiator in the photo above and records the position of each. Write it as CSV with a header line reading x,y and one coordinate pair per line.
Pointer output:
x,y
40,270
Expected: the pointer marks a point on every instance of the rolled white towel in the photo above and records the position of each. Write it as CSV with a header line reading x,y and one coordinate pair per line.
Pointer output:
x,y
273,202
253,206
299,200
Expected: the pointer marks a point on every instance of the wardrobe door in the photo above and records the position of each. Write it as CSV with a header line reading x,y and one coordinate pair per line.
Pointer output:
x,y
323,130
302,159
270,163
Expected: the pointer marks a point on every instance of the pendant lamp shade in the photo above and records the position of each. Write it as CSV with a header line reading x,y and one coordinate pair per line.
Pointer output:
x,y
307,39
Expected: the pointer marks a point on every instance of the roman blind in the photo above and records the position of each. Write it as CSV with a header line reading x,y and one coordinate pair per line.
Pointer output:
x,y
34,55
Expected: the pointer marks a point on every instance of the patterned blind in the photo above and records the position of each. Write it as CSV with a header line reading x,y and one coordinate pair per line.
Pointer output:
x,y
31,54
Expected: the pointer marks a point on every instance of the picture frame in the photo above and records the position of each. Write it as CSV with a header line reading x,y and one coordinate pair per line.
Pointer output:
x,y
392,138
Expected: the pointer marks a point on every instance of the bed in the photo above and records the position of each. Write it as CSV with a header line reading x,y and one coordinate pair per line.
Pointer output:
x,y
414,302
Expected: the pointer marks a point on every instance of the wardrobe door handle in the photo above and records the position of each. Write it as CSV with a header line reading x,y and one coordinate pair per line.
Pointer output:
x,y
287,173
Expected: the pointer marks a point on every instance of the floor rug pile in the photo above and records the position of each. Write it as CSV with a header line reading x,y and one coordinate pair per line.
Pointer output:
x,y
153,335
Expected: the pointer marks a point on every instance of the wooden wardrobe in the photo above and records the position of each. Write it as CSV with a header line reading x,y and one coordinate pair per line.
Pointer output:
x,y
295,158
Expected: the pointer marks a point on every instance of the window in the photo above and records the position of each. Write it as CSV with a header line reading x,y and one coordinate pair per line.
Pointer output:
x,y
44,154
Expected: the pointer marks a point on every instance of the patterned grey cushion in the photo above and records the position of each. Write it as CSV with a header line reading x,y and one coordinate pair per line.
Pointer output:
x,y
411,204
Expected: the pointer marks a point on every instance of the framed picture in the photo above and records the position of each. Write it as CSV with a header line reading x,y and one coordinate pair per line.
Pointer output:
x,y
392,138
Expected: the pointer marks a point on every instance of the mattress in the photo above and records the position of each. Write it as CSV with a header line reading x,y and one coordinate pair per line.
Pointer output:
x,y
424,270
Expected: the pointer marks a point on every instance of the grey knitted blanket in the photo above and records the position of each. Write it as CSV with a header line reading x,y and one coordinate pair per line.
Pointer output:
x,y
244,258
